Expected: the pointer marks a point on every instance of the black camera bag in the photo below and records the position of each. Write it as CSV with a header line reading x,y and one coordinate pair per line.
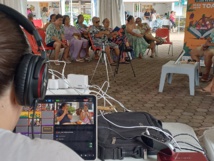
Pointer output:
x,y
117,143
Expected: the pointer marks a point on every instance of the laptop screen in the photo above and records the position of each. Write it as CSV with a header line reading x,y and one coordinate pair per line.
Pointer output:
x,y
69,119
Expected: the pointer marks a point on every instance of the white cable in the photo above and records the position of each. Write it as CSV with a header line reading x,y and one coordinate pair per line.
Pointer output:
x,y
150,127
63,69
102,97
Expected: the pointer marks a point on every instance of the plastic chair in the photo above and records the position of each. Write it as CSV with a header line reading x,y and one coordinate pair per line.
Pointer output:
x,y
164,33
170,68
32,42
43,35
38,23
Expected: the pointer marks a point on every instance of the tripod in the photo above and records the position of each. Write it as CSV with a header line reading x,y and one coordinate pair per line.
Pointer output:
x,y
105,59
123,48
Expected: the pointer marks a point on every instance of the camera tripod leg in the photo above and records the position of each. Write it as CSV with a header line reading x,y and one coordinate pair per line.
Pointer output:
x,y
106,65
96,67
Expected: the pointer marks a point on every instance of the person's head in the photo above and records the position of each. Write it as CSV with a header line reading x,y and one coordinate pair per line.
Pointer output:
x,y
80,19
172,12
44,9
106,23
96,21
13,45
138,20
53,18
66,20
85,108
63,106
30,16
78,111
58,20
130,19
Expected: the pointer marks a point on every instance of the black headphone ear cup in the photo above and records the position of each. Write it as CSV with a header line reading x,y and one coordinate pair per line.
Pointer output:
x,y
20,79
39,79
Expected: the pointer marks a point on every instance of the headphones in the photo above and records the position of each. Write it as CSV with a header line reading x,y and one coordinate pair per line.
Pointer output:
x,y
30,79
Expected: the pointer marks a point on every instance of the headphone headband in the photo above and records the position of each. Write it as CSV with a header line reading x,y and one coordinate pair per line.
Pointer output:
x,y
25,23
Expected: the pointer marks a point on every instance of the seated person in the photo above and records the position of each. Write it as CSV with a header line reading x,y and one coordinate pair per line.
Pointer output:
x,y
78,46
85,115
30,18
146,32
52,19
16,146
98,35
135,38
81,27
206,50
55,38
63,115
112,36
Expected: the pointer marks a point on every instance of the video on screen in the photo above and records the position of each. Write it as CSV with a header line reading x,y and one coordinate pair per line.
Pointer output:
x,y
70,113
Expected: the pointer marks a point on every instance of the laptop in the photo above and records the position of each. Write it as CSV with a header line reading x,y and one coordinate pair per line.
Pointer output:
x,y
69,119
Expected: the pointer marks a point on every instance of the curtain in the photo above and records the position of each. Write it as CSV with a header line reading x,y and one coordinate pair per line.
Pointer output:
x,y
20,6
110,9
122,11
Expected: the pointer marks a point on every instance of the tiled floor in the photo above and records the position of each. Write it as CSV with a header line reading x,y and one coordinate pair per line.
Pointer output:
x,y
140,93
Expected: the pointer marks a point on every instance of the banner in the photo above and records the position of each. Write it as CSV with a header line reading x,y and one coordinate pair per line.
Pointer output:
x,y
199,23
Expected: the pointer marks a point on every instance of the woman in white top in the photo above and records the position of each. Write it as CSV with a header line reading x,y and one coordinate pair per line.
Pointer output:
x,y
18,147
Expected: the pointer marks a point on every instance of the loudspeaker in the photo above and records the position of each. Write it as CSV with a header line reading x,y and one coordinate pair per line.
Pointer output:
x,y
31,74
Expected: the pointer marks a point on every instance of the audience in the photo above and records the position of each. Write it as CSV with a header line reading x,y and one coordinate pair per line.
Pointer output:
x,y
52,19
98,35
78,45
55,38
135,38
81,27
145,30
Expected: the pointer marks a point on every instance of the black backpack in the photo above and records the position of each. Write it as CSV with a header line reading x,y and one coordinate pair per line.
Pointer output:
x,y
117,143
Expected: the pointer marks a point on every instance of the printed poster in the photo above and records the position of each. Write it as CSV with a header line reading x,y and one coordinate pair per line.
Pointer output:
x,y
199,23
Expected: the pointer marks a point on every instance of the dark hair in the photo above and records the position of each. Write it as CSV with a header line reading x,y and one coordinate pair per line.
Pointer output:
x,y
78,17
13,46
58,16
129,18
138,18
64,18
44,9
51,16
104,20
62,105
171,11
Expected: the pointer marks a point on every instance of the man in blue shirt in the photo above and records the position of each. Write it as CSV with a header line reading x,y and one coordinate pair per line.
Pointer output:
x,y
63,115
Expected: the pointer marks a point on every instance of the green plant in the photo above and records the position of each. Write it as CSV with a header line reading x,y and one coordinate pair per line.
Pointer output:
x,y
71,109
87,17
